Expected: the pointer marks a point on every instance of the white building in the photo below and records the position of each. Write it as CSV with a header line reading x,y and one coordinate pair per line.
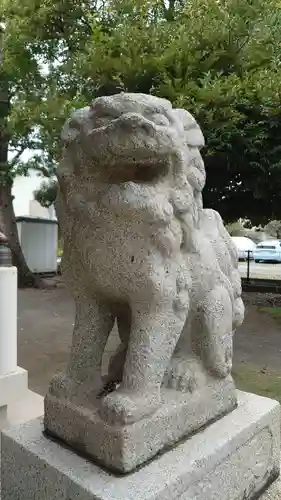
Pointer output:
x,y
37,226
24,203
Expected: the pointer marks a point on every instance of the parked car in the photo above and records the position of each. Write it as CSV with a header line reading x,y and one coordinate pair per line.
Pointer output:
x,y
268,251
244,245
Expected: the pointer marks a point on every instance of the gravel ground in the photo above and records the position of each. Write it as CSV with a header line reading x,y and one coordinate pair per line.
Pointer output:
x,y
45,323
262,299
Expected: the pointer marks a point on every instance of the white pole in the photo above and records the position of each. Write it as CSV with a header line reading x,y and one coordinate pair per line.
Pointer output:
x,y
8,311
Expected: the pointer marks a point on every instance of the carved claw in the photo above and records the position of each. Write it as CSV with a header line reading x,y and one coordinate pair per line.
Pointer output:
x,y
185,375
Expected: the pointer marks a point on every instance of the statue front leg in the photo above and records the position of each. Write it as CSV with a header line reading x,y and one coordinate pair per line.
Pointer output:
x,y
214,342
93,324
185,372
154,334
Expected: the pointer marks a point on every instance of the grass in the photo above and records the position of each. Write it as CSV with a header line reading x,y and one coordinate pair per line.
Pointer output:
x,y
266,381
263,382
274,312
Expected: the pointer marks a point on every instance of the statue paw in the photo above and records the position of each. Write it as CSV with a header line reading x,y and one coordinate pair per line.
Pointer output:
x,y
65,386
185,374
123,407
220,370
219,363
62,386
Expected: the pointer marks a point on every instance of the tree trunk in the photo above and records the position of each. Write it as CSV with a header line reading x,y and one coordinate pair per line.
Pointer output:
x,y
169,10
8,226
8,223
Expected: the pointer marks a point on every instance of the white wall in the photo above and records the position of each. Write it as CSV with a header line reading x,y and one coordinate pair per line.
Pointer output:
x,y
36,210
39,242
23,192
24,203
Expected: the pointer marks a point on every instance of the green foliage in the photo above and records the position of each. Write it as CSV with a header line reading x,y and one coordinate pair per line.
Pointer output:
x,y
47,193
273,228
38,40
220,60
265,382
217,58
274,312
236,228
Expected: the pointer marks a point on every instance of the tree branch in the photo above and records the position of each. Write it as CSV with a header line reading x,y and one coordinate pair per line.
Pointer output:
x,y
169,12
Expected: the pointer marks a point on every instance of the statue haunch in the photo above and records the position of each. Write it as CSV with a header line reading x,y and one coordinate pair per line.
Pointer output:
x,y
140,248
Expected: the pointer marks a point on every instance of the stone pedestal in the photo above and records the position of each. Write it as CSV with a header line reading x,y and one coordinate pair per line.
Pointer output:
x,y
8,319
13,386
235,458
123,448
28,406
17,403
13,379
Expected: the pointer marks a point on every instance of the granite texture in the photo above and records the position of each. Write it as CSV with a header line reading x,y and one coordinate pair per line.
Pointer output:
x,y
235,458
28,406
124,448
140,248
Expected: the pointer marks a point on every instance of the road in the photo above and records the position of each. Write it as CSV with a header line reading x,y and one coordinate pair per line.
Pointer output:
x,y
265,270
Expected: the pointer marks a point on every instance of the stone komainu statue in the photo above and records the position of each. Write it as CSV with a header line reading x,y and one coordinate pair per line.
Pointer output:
x,y
139,248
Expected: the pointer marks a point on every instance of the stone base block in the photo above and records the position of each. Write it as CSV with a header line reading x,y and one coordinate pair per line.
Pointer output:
x,y
123,448
235,458
13,386
28,407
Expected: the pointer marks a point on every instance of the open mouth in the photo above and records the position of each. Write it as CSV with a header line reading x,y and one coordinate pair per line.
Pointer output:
x,y
139,171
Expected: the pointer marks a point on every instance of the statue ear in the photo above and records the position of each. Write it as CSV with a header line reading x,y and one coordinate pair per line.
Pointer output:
x,y
194,137
193,133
